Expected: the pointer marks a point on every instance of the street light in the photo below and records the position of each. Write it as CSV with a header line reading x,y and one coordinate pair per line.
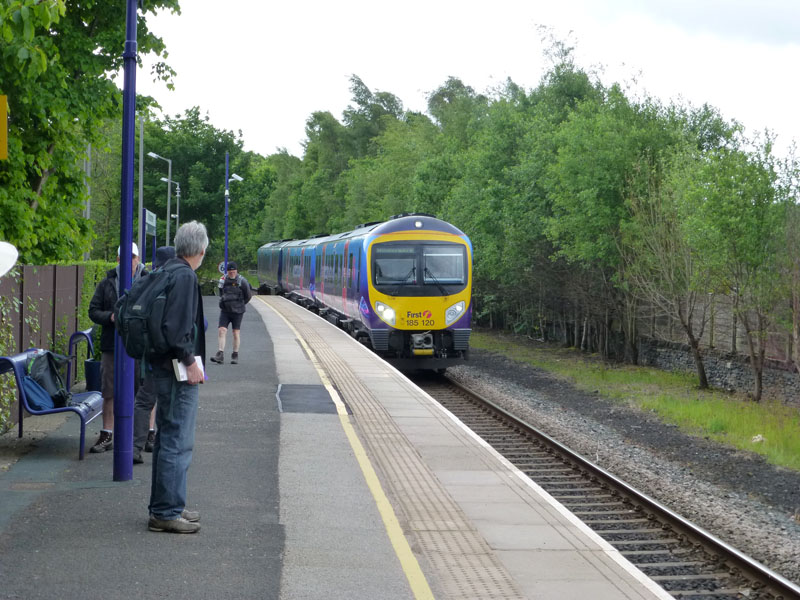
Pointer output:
x,y
169,186
233,177
177,213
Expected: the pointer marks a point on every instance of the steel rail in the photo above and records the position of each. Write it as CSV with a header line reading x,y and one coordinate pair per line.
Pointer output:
x,y
776,583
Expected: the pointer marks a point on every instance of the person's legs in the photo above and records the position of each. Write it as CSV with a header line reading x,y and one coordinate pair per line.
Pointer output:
x,y
236,325
143,406
236,340
176,414
106,439
222,333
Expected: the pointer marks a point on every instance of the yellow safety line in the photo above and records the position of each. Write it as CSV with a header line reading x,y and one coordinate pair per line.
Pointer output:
x,y
416,578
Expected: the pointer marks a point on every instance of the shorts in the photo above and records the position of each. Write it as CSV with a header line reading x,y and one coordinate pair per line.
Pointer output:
x,y
107,375
234,319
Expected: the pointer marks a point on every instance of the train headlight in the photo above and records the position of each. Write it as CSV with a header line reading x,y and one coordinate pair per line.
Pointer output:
x,y
452,314
385,312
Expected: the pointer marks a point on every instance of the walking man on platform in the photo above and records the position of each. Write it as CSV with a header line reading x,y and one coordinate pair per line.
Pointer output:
x,y
176,401
234,294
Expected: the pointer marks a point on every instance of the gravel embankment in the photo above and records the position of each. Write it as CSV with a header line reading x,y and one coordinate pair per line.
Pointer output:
x,y
735,495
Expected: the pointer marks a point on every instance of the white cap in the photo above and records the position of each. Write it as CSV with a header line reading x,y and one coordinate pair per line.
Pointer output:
x,y
134,249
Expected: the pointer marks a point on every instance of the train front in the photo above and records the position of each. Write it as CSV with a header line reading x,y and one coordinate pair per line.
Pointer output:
x,y
419,273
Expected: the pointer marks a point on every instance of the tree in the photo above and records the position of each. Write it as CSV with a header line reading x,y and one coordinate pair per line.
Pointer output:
x,y
57,64
736,224
660,263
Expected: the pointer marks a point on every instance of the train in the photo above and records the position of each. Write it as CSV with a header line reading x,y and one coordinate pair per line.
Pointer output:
x,y
401,286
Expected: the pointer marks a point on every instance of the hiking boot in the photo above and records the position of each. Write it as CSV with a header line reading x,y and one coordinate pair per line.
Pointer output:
x,y
179,525
234,358
104,442
219,357
151,439
137,457
193,516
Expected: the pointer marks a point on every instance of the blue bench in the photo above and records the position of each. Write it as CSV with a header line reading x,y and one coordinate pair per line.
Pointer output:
x,y
87,405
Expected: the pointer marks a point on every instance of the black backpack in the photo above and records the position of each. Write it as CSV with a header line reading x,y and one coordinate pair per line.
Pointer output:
x,y
139,314
45,367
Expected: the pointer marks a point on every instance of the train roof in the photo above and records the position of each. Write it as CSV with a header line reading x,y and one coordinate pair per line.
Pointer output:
x,y
401,222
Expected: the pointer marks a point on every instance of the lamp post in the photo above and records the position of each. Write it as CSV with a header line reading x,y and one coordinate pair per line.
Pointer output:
x,y
169,187
233,177
177,214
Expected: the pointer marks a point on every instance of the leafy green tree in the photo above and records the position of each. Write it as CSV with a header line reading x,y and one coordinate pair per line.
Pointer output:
x,y
57,64
369,116
736,222
661,264
383,185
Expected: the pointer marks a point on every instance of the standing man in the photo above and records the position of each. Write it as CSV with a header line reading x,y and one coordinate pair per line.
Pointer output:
x,y
144,404
234,293
176,401
101,311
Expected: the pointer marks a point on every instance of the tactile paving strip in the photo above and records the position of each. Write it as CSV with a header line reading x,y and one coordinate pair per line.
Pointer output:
x,y
463,563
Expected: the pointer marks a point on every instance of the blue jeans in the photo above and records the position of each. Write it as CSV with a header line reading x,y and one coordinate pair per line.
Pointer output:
x,y
176,414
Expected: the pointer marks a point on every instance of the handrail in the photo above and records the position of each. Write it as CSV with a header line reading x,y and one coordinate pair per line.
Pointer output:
x,y
76,337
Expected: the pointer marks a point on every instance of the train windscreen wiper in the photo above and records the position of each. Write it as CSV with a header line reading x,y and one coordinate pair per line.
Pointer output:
x,y
411,273
436,281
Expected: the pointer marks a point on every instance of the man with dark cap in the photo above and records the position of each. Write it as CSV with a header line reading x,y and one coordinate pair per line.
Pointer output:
x,y
234,293
144,412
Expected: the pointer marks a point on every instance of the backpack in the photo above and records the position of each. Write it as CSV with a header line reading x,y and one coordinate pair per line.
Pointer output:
x,y
139,314
44,368
38,398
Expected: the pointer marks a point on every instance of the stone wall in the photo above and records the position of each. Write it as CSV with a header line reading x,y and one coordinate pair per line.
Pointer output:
x,y
726,371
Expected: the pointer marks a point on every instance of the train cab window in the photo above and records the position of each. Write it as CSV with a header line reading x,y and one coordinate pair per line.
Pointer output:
x,y
394,265
419,269
444,265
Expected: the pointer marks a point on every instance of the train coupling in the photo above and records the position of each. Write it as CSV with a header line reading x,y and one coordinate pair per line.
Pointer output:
x,y
422,344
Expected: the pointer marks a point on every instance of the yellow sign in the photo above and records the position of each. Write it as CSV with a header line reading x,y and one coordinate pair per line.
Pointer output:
x,y
3,128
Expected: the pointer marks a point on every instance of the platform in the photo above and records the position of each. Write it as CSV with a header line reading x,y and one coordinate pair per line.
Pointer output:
x,y
321,472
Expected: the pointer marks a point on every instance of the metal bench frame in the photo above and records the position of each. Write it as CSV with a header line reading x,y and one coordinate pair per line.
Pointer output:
x,y
88,405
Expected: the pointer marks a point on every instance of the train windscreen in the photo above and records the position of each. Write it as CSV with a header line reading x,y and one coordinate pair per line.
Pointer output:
x,y
419,268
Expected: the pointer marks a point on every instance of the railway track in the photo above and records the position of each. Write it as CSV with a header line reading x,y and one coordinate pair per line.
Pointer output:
x,y
684,559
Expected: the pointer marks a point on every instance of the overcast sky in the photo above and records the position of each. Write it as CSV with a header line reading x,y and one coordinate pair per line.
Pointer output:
x,y
263,67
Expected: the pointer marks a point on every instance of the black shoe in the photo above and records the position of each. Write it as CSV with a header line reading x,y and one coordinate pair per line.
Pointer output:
x,y
104,442
151,439
219,357
235,358
137,457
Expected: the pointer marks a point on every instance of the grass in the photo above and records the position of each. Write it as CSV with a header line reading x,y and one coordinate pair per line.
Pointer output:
x,y
727,418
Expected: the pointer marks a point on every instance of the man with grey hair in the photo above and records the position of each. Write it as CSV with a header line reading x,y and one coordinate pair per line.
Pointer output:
x,y
176,405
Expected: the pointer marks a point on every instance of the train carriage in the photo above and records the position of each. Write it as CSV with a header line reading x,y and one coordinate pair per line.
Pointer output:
x,y
403,286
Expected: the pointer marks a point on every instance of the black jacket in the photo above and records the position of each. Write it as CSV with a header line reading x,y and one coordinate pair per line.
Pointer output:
x,y
184,324
234,294
101,307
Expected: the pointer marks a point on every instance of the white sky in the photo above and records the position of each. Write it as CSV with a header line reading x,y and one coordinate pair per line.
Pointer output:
x,y
263,67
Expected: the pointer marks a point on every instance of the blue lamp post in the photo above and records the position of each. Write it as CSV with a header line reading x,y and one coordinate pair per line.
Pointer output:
x,y
123,364
233,177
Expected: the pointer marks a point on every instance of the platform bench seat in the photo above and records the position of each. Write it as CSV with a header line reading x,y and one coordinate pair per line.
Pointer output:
x,y
87,405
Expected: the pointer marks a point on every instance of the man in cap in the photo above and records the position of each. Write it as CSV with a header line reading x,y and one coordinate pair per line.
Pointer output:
x,y
234,293
144,414
101,311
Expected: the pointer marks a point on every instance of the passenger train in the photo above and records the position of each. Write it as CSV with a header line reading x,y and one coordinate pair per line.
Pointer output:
x,y
403,286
